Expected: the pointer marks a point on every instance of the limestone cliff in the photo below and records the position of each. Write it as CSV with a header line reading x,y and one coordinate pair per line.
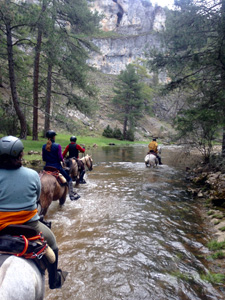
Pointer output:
x,y
136,23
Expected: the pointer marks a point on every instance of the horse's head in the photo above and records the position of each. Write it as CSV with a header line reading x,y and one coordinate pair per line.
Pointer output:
x,y
89,162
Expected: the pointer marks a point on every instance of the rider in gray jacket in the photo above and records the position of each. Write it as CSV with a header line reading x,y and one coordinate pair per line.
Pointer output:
x,y
19,193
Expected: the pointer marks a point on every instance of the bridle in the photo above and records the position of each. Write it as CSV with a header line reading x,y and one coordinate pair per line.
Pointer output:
x,y
88,161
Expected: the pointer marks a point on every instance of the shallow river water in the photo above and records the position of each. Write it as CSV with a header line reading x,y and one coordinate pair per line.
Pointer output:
x,y
134,234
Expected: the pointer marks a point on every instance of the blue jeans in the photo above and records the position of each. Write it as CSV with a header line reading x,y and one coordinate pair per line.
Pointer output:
x,y
61,170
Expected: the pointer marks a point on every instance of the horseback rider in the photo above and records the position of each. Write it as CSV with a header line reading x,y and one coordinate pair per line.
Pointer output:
x,y
19,193
52,155
74,150
153,148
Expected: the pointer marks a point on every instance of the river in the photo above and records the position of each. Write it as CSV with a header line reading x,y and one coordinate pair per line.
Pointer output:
x,y
134,234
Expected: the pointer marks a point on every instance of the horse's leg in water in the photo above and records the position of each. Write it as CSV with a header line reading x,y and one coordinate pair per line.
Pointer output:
x,y
62,200
45,201
48,186
21,280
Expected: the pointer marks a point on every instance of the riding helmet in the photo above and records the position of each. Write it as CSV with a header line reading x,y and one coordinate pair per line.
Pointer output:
x,y
73,139
50,134
11,145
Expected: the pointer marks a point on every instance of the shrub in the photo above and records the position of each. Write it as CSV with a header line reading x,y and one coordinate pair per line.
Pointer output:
x,y
117,134
130,135
108,132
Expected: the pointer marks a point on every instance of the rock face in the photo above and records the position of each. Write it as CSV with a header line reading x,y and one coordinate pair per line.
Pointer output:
x,y
135,23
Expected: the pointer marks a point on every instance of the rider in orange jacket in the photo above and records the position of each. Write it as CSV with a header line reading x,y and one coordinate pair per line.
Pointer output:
x,y
153,148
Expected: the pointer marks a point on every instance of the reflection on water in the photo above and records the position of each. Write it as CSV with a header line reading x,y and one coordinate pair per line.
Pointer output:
x,y
134,232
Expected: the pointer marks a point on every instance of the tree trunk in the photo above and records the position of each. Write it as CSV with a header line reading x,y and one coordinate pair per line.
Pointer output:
x,y
48,98
36,72
223,69
35,85
12,78
223,143
125,128
1,82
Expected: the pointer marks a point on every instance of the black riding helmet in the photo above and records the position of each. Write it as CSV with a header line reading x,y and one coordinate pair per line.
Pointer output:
x,y
50,134
73,139
11,146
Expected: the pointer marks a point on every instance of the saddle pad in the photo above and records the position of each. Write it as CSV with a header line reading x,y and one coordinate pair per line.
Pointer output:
x,y
19,230
15,244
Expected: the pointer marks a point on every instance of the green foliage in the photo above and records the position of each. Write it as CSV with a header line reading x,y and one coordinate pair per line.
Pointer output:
x,y
183,276
218,255
9,124
130,134
65,28
112,133
193,56
117,134
213,278
214,245
129,99
222,228
108,132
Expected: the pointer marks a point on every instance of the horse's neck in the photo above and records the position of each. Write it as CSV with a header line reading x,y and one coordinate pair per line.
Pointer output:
x,y
84,160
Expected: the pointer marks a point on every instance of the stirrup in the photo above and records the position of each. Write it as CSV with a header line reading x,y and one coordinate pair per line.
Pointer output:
x,y
82,181
74,197
63,275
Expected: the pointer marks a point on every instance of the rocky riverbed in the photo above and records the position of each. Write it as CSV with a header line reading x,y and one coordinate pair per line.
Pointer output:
x,y
207,184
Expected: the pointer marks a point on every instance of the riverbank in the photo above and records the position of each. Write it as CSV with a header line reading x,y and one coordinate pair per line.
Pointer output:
x,y
32,149
208,186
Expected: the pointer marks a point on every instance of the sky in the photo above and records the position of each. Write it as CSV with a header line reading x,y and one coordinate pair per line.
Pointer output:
x,y
163,3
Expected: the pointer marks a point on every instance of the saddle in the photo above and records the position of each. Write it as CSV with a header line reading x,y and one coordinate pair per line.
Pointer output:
x,y
24,241
152,152
55,172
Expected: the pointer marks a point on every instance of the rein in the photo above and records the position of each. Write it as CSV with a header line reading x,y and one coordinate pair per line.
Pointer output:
x,y
37,253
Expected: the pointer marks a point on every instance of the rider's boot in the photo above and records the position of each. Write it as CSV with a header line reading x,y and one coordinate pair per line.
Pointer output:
x,y
159,159
72,195
56,276
82,181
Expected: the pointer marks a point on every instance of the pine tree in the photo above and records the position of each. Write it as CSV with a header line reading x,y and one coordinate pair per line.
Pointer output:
x,y
128,99
14,21
64,52
194,57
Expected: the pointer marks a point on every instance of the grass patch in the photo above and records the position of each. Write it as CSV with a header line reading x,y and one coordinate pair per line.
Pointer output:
x,y
222,228
216,216
217,255
214,245
209,213
183,276
64,140
214,278
216,222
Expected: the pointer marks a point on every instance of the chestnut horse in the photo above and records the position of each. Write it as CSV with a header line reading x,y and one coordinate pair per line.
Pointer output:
x,y
51,190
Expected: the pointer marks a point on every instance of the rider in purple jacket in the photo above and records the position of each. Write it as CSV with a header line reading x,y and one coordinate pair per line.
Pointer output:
x,y
52,155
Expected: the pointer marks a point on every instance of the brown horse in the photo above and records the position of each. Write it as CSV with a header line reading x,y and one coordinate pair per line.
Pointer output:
x,y
77,165
87,161
51,190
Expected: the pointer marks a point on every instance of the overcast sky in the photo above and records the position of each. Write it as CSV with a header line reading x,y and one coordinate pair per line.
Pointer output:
x,y
163,2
